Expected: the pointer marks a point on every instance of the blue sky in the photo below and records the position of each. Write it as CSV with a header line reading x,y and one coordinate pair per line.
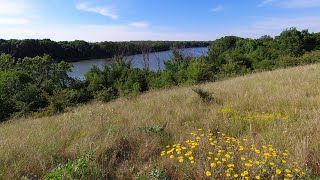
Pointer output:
x,y
122,20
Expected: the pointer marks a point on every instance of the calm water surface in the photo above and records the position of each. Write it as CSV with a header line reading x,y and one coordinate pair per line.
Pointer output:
x,y
137,61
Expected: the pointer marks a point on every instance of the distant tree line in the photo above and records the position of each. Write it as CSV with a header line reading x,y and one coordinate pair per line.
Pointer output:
x,y
232,55
80,50
40,86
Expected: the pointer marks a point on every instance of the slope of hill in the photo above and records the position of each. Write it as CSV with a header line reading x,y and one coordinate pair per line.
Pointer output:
x,y
127,135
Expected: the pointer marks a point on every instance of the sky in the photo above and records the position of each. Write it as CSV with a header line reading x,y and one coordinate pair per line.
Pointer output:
x,y
124,20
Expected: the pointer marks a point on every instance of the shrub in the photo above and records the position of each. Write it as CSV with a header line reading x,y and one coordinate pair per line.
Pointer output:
x,y
156,173
204,95
131,82
106,95
199,71
57,102
207,97
154,129
159,174
95,79
13,86
78,169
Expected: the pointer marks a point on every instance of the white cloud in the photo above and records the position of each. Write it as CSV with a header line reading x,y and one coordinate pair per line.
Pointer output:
x,y
274,26
94,33
291,3
266,2
13,8
14,12
301,3
102,10
140,24
13,21
218,8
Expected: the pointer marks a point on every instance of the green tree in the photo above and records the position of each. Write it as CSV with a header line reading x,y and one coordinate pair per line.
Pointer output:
x,y
12,85
222,45
291,42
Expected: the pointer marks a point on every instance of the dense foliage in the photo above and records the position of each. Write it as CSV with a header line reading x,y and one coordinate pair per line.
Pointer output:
x,y
40,84
80,50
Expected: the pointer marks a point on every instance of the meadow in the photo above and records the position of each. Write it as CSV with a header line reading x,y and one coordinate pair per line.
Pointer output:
x,y
128,138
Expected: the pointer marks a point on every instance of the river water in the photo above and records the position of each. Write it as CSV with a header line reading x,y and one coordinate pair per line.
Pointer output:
x,y
156,61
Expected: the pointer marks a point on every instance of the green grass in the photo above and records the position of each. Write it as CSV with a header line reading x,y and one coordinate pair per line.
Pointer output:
x,y
127,135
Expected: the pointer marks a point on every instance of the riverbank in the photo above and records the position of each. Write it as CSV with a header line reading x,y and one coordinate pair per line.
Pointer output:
x,y
155,61
78,50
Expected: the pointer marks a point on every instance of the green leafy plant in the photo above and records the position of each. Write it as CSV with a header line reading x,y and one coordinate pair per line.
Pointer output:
x,y
159,174
78,169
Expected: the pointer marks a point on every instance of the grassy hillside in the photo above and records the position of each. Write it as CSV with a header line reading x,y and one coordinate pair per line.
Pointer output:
x,y
127,135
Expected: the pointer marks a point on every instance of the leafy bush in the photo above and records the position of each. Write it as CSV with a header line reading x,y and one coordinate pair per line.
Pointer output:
x,y
199,71
14,90
57,102
106,95
156,173
154,129
78,169
159,174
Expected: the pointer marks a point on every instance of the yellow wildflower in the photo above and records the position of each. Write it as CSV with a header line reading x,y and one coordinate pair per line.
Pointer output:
x,y
213,165
278,171
290,175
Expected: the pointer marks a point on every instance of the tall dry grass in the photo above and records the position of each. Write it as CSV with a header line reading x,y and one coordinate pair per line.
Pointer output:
x,y
115,131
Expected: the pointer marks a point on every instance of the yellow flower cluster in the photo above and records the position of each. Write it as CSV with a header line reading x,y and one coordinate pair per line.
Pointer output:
x,y
218,156
233,114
